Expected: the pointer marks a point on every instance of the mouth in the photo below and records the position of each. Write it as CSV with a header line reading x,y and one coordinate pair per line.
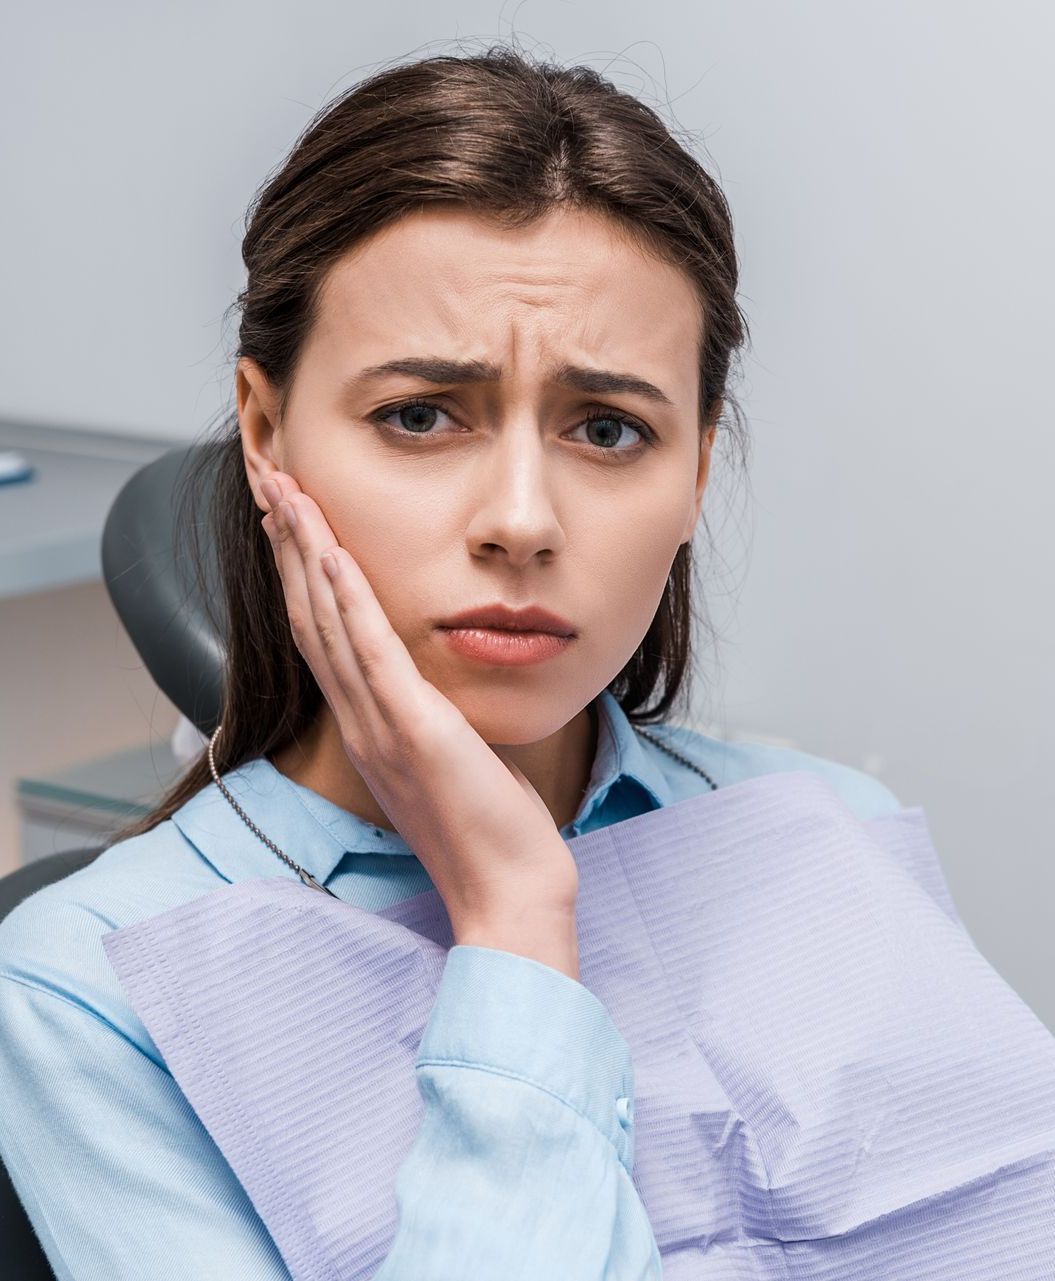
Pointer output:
x,y
505,646
498,617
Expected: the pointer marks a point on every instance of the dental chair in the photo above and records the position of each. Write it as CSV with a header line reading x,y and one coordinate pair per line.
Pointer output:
x,y
175,620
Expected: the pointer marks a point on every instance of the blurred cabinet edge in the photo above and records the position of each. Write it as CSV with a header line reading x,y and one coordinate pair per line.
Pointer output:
x,y
85,804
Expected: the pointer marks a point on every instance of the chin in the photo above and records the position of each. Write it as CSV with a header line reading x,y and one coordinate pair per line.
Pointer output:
x,y
507,716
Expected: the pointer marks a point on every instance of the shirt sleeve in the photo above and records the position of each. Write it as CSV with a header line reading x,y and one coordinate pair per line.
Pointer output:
x,y
117,1175
522,1165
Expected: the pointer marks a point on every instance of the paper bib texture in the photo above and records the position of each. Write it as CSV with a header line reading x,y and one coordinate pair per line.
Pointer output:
x,y
831,1082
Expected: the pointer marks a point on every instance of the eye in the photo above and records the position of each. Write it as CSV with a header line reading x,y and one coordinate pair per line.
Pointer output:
x,y
608,426
416,417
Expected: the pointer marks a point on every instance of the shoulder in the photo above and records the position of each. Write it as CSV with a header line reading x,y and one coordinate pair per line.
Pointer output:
x,y
52,939
733,761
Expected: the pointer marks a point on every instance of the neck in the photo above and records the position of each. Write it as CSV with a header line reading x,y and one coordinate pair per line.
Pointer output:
x,y
557,767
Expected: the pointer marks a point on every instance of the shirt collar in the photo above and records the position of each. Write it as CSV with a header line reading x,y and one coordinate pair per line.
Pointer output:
x,y
316,833
622,759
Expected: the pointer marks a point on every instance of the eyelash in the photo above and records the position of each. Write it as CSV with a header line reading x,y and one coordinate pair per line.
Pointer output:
x,y
648,436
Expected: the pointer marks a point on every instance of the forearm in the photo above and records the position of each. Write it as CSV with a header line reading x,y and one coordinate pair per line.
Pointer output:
x,y
522,1165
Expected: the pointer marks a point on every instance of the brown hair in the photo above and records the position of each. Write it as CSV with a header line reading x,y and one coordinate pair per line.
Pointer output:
x,y
507,137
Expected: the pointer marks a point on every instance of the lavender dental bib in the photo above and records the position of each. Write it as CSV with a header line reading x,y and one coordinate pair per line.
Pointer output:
x,y
831,1082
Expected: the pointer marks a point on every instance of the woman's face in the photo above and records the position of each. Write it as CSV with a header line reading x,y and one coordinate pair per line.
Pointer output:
x,y
499,488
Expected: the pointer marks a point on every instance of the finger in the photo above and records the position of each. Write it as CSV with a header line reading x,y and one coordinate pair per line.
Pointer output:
x,y
276,538
274,489
280,535
312,537
270,528
358,628
359,638
277,486
338,687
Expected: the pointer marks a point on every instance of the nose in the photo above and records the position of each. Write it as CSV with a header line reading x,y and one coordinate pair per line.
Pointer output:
x,y
513,512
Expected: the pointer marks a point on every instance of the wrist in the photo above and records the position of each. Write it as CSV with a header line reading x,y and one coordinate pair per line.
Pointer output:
x,y
545,934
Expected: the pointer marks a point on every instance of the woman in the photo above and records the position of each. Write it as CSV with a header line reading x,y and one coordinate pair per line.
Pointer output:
x,y
485,343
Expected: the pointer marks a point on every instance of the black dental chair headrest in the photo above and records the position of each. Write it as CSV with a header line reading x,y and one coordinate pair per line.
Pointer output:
x,y
171,606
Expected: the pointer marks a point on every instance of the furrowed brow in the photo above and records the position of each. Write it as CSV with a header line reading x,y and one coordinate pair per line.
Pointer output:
x,y
438,370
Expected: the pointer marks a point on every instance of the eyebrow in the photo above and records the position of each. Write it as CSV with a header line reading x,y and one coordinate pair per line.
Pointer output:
x,y
437,369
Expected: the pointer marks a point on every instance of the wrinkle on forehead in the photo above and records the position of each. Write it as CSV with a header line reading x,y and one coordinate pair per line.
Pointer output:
x,y
572,286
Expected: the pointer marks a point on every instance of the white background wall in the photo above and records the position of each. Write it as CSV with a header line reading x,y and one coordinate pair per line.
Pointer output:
x,y
888,594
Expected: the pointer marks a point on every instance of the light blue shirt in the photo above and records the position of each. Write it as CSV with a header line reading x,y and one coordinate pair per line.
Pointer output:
x,y
121,1179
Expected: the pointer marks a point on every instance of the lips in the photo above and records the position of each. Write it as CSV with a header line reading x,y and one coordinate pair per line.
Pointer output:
x,y
530,618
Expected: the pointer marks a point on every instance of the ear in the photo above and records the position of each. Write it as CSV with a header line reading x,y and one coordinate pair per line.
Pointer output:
x,y
702,470
261,436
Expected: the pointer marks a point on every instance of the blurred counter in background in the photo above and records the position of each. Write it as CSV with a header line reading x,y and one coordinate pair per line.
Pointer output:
x,y
85,804
73,690
51,524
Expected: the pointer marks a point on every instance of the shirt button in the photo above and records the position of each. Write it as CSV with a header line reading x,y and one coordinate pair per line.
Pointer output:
x,y
624,1110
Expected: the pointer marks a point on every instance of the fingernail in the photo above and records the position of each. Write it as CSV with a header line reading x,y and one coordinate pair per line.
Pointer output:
x,y
271,490
289,514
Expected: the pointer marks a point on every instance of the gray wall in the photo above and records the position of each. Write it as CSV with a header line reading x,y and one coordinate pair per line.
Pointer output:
x,y
885,595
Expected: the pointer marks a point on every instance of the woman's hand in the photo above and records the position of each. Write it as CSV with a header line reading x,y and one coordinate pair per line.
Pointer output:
x,y
482,832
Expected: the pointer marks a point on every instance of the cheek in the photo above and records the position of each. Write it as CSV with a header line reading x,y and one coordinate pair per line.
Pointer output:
x,y
624,583
394,555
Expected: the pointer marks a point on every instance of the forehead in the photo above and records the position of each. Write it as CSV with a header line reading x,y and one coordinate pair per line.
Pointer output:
x,y
571,284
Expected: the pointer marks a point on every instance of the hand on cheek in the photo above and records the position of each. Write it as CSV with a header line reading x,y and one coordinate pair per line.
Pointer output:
x,y
483,833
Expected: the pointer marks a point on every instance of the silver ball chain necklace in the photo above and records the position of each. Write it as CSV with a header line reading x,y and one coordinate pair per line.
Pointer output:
x,y
307,877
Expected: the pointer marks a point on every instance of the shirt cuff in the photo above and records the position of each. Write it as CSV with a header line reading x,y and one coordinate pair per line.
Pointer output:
x,y
505,1013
